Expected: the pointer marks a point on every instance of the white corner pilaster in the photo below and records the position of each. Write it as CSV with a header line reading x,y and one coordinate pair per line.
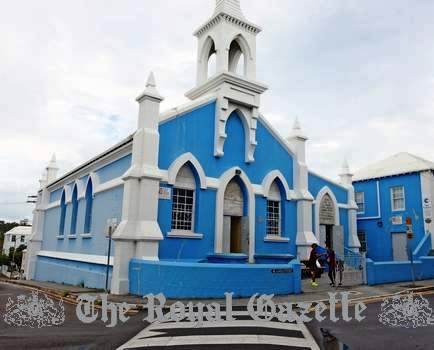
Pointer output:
x,y
346,179
305,236
139,233
35,240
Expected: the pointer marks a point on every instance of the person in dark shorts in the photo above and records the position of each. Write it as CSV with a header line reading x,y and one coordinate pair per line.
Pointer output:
x,y
312,264
331,261
340,267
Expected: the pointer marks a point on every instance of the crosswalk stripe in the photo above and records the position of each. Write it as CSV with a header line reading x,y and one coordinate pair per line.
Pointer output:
x,y
178,335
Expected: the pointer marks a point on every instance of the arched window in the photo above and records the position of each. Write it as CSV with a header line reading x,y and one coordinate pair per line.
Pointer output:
x,y
62,215
183,201
212,63
274,211
236,59
74,203
89,204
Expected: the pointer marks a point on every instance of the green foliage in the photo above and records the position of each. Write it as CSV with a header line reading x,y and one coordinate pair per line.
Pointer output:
x,y
4,259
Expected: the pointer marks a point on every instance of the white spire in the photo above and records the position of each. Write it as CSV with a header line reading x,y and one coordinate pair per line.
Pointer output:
x,y
346,175
53,162
231,7
297,132
43,179
151,89
52,169
345,167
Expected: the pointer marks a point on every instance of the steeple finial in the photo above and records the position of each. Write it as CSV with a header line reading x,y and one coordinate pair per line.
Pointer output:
x,y
346,175
52,169
231,7
53,162
151,81
151,89
297,132
345,167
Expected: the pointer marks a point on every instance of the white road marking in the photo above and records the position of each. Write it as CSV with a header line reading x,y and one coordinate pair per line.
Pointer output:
x,y
154,334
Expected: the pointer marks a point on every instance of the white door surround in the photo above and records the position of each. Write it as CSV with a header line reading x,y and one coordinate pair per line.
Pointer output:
x,y
250,197
325,190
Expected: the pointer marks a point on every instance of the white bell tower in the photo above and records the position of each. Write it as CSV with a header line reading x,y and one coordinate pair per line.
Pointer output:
x,y
232,39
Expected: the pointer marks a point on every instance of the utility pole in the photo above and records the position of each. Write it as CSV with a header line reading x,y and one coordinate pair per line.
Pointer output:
x,y
410,251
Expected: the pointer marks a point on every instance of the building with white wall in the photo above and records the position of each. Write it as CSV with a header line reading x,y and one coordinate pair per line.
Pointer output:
x,y
15,237
204,183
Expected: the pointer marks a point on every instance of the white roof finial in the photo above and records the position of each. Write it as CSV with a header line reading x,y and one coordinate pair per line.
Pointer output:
x,y
151,81
296,130
296,125
230,7
345,170
53,162
151,89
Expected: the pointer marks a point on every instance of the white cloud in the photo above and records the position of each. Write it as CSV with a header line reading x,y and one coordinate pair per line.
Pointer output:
x,y
358,74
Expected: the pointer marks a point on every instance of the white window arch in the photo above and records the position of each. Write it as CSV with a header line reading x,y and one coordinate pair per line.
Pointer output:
x,y
274,211
183,200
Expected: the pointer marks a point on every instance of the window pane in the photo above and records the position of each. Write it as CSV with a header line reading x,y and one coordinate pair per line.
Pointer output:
x,y
182,209
273,217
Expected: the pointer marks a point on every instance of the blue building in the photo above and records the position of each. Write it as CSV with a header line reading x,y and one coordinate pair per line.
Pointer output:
x,y
387,194
202,199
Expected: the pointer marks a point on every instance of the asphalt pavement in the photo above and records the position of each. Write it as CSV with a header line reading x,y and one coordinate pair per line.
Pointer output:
x,y
241,334
72,334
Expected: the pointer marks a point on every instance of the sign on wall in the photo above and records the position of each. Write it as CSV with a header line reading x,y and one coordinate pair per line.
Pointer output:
x,y
327,211
165,193
397,220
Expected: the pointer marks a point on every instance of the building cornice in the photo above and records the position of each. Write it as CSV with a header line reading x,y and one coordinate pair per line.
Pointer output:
x,y
222,16
226,78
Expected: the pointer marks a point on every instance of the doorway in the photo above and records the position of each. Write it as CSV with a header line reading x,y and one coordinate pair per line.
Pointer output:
x,y
235,223
329,236
399,246
235,234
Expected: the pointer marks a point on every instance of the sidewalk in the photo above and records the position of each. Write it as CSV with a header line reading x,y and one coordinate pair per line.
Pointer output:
x,y
309,294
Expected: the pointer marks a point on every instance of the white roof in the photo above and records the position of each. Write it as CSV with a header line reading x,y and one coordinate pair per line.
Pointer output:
x,y
401,163
20,231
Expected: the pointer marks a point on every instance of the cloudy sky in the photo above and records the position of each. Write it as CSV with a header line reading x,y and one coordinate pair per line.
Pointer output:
x,y
359,74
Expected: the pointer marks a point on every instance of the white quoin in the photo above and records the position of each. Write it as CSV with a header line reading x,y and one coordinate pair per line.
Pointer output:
x,y
52,169
139,233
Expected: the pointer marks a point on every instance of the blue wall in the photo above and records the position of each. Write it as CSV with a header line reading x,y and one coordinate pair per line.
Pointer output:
x,y
203,280
71,272
114,169
106,205
399,271
379,231
194,132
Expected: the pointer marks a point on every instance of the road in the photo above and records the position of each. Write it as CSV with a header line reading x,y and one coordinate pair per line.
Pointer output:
x,y
73,334
371,334
241,334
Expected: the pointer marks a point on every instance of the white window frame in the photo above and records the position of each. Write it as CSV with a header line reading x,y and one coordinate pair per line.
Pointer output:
x,y
362,202
392,198
185,185
193,211
279,227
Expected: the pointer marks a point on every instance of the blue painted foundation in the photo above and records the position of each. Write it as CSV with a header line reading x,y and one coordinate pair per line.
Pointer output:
x,y
71,272
399,271
203,280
